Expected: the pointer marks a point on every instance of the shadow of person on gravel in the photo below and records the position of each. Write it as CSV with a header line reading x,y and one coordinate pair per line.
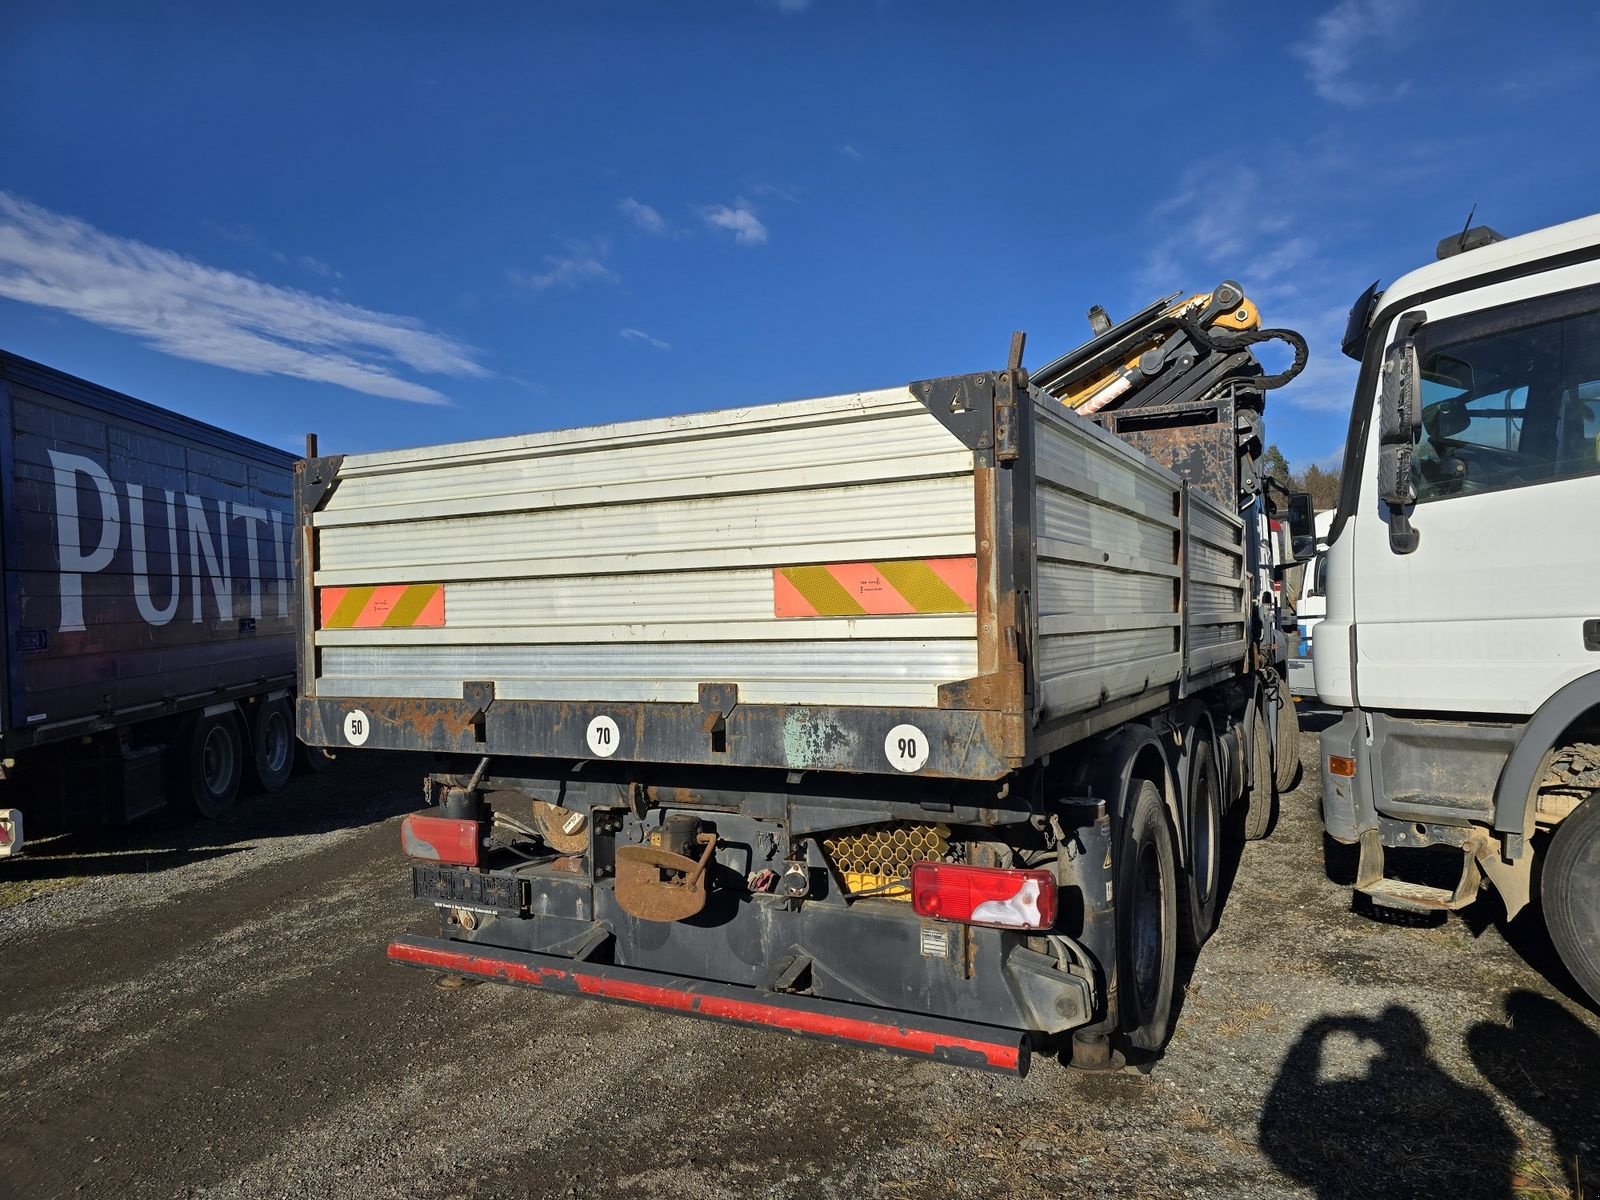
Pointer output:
x,y
1361,1109
1547,1062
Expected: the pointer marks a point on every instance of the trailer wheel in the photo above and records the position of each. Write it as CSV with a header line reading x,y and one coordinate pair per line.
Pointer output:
x,y
216,763
1256,811
1570,890
1197,898
1286,762
272,745
1147,919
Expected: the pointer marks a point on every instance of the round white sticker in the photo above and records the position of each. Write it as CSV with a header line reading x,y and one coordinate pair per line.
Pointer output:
x,y
356,727
906,747
603,736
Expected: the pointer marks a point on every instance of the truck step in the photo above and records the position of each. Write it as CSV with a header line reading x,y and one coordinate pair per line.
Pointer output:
x,y
1413,897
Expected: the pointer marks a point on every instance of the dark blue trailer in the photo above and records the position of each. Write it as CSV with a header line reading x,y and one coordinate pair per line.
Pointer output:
x,y
149,646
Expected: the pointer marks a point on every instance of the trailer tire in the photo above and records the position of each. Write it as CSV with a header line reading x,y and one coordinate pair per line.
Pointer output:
x,y
1147,919
1286,762
1255,817
272,745
1570,892
313,760
1197,897
215,761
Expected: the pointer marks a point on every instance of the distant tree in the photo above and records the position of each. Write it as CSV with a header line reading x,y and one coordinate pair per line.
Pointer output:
x,y
1323,486
1275,464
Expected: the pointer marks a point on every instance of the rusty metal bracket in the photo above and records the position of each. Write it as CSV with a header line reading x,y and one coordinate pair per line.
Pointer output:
x,y
659,885
314,480
478,695
963,404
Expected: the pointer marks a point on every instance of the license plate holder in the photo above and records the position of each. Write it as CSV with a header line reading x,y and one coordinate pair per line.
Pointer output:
x,y
461,888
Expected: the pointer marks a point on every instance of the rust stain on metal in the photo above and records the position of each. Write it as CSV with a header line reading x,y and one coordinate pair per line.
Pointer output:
x,y
427,717
658,885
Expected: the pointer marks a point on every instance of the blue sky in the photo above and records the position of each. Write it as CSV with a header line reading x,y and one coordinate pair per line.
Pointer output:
x,y
398,225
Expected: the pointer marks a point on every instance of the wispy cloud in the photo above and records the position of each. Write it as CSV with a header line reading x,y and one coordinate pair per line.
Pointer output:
x,y
846,150
643,216
245,236
738,219
1351,34
187,309
583,262
639,335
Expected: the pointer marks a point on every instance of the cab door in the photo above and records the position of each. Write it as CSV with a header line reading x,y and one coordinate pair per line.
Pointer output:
x,y
1486,615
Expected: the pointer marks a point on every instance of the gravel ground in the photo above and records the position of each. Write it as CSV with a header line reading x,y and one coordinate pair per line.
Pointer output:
x,y
207,1012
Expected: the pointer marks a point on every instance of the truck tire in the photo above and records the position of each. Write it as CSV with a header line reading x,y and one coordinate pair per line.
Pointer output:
x,y
1570,890
1197,898
1255,815
1147,920
215,761
272,745
1286,762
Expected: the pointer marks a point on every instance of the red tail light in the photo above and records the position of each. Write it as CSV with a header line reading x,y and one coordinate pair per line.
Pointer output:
x,y
984,895
440,839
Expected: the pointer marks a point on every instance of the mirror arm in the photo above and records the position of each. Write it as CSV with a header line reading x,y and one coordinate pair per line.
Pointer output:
x,y
1403,536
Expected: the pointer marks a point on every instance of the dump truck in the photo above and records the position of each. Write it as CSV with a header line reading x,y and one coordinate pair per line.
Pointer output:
x,y
149,651
1462,635
910,718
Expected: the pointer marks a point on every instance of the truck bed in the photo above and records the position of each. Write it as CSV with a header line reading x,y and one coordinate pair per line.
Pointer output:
x,y
785,586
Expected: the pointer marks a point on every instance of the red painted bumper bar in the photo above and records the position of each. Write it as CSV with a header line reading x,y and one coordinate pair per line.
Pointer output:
x,y
955,1042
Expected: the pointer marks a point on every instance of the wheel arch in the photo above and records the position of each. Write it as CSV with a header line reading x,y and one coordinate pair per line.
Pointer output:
x,y
1515,794
1109,767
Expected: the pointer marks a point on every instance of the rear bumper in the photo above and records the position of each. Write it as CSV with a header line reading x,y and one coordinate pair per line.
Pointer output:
x,y
959,1043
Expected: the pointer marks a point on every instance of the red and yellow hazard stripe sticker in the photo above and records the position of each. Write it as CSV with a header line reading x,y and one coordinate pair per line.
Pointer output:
x,y
876,589
399,606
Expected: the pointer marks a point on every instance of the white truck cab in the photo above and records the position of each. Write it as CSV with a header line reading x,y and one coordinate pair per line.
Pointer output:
x,y
1462,628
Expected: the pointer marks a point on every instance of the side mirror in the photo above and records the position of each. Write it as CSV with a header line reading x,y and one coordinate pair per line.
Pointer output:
x,y
1399,419
1302,527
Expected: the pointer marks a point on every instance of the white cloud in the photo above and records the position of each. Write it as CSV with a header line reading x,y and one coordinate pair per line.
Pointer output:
x,y
639,335
643,216
846,150
740,220
1346,47
187,309
584,262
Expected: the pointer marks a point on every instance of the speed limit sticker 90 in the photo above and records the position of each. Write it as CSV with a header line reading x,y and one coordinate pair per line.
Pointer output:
x,y
602,736
906,748
356,727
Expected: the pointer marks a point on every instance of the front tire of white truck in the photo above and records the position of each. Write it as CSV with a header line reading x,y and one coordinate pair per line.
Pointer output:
x,y
1570,890
1147,919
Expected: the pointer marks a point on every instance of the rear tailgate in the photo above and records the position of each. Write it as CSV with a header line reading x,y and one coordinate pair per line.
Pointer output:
x,y
784,586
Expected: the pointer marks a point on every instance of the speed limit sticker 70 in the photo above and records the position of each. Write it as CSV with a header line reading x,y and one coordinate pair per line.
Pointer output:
x,y
906,747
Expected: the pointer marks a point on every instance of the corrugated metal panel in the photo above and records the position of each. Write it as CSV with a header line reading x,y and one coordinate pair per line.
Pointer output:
x,y
635,561
1109,527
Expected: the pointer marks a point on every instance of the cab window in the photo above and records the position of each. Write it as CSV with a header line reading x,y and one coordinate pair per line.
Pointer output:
x,y
1517,405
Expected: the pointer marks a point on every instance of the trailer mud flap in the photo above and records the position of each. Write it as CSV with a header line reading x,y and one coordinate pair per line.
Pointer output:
x,y
969,1045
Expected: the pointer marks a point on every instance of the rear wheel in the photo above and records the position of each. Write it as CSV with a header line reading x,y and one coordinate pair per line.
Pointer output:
x,y
1256,815
1570,890
1286,762
1197,898
1147,919
272,745
215,760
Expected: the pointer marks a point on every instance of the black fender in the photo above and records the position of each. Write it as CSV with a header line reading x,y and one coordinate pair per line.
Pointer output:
x,y
1104,767
1514,794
